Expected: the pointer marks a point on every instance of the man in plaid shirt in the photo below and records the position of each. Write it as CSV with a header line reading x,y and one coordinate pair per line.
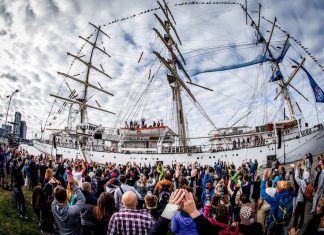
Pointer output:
x,y
130,220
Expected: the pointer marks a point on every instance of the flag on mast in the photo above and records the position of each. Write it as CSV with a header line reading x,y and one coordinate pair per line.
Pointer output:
x,y
318,92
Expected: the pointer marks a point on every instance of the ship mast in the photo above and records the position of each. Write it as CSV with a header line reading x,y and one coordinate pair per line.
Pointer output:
x,y
276,73
83,102
83,108
174,80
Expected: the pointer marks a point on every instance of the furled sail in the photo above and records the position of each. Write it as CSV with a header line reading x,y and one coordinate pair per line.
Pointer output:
x,y
242,60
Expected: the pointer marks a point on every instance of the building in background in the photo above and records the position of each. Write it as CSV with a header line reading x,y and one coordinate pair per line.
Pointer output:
x,y
17,123
23,130
4,128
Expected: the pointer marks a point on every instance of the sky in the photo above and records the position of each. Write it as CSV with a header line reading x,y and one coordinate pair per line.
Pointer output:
x,y
35,36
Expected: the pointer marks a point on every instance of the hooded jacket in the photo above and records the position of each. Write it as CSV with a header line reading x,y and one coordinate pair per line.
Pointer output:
x,y
273,201
68,217
160,184
183,224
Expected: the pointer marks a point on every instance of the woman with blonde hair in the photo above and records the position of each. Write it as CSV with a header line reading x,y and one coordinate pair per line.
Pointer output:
x,y
48,175
103,211
141,186
70,194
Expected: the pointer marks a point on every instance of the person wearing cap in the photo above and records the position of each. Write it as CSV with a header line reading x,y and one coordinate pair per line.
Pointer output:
x,y
319,185
282,195
248,225
301,177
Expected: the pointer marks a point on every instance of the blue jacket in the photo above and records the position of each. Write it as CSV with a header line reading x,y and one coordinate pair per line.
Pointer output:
x,y
211,191
219,170
273,201
183,224
253,167
276,179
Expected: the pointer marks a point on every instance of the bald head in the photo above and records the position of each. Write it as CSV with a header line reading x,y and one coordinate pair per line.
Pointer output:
x,y
86,186
129,200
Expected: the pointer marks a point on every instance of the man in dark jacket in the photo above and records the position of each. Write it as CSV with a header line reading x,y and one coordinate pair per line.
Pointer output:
x,y
2,166
97,183
87,219
33,169
18,195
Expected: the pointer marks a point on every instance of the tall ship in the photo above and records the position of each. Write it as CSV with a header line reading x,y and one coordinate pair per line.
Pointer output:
x,y
141,133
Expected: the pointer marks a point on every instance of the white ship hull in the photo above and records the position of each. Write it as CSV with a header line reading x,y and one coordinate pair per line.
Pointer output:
x,y
293,149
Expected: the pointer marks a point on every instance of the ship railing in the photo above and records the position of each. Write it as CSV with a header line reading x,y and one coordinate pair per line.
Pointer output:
x,y
185,149
311,130
253,144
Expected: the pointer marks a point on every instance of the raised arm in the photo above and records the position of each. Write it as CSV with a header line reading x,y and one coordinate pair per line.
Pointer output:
x,y
160,227
203,225
296,175
264,195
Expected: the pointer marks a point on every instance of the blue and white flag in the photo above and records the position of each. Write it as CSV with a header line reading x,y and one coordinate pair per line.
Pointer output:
x,y
318,92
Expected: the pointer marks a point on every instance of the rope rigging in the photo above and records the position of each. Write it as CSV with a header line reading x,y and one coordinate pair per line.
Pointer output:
x,y
64,80
136,100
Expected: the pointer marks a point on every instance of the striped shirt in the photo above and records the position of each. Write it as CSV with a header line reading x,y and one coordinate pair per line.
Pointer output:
x,y
130,222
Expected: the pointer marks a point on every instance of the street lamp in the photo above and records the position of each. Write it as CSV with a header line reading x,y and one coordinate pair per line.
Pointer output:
x,y
9,96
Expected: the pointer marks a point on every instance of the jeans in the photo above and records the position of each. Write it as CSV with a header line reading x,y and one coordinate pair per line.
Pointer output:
x,y
19,200
299,213
317,195
262,215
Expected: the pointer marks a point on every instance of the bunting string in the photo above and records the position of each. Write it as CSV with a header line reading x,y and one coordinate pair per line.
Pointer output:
x,y
299,43
177,5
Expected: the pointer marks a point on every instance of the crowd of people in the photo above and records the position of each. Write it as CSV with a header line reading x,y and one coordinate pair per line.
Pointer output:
x,y
142,124
80,197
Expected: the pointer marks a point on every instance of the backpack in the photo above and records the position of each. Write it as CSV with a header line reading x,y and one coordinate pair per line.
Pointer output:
x,y
309,191
164,195
94,186
285,211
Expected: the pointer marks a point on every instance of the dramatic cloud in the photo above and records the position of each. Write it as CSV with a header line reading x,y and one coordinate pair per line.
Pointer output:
x,y
35,36
10,77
